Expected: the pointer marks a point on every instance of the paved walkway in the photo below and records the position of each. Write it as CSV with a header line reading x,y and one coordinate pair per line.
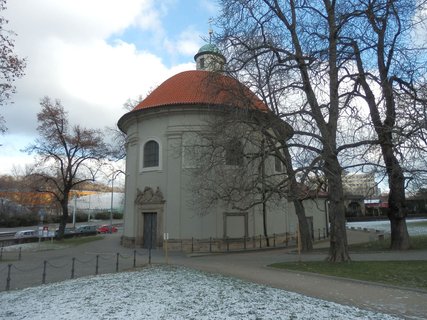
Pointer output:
x,y
252,266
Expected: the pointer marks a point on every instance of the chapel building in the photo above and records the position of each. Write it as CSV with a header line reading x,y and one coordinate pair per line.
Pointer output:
x,y
161,201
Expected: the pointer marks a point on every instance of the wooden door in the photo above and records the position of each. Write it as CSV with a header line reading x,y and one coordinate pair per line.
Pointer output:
x,y
150,230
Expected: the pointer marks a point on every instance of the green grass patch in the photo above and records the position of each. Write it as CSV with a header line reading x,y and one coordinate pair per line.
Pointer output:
x,y
417,243
76,241
418,224
412,274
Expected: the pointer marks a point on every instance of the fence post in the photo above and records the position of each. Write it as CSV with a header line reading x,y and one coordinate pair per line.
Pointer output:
x,y
72,267
134,258
9,266
20,253
324,234
44,272
210,244
96,266
192,244
319,233
117,262
274,240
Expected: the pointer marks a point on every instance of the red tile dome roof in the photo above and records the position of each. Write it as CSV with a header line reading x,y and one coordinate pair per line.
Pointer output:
x,y
200,87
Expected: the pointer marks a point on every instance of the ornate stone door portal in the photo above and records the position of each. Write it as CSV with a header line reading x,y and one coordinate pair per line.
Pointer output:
x,y
150,205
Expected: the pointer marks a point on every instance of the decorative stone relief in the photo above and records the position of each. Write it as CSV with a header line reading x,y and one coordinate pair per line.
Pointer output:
x,y
148,196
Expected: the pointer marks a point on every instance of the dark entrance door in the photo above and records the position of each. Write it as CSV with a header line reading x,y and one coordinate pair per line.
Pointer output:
x,y
150,227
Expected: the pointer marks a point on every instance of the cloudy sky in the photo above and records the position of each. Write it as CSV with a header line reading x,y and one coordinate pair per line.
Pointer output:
x,y
93,55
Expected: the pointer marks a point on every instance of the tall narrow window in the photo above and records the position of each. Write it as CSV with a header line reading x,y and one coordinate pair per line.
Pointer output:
x,y
202,63
234,153
151,154
278,166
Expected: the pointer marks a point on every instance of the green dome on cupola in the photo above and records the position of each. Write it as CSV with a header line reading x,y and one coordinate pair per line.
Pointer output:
x,y
210,58
209,47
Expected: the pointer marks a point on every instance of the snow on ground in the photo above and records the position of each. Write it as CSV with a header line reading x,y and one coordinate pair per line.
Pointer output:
x,y
36,246
384,225
168,292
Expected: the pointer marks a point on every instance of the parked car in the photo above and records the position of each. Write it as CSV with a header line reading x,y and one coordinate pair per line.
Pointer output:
x,y
105,228
26,234
88,229
67,232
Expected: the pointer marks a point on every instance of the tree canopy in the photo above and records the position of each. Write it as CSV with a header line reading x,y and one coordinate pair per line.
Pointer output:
x,y
11,66
338,72
67,156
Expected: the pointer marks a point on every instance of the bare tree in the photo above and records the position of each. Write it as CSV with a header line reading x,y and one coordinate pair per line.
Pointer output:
x,y
412,115
117,139
268,81
389,66
234,162
11,66
303,40
67,156
332,53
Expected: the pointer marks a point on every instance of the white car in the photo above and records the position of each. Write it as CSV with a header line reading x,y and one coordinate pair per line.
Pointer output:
x,y
26,234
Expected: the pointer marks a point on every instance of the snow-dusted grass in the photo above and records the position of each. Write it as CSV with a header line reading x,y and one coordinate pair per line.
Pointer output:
x,y
415,226
168,293
36,246
51,245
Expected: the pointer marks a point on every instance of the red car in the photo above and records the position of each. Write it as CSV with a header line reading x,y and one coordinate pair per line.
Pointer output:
x,y
106,229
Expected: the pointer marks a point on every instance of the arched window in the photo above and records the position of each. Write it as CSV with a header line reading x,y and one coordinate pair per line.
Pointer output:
x,y
151,154
234,153
278,165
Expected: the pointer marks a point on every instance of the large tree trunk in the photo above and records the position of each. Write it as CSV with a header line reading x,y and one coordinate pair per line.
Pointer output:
x,y
295,196
64,217
264,220
304,228
338,250
399,233
385,53
397,210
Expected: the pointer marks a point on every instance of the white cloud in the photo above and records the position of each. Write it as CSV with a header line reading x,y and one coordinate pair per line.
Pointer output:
x,y
188,42
69,56
74,20
211,6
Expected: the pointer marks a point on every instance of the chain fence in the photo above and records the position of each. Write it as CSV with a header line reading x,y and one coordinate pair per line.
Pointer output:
x,y
223,245
18,275
10,255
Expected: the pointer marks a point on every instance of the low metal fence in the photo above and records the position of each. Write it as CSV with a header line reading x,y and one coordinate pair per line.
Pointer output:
x,y
10,255
18,275
212,245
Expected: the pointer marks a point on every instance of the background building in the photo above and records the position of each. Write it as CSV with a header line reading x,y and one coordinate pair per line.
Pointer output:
x,y
360,184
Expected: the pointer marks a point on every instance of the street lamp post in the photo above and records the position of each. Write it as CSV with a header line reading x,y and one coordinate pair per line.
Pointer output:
x,y
42,214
